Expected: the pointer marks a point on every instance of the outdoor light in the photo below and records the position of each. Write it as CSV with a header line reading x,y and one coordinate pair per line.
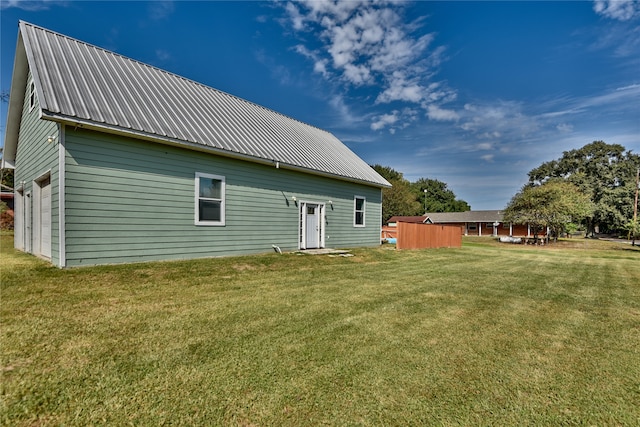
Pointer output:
x,y
293,198
425,200
50,139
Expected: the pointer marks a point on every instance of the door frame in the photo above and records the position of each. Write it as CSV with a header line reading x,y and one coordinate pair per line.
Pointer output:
x,y
302,224
27,222
41,221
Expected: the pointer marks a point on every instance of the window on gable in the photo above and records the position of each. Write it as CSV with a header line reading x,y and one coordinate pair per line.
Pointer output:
x,y
358,212
32,95
210,199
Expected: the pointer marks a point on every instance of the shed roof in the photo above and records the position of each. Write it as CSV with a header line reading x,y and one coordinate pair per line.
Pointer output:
x,y
468,216
84,85
411,219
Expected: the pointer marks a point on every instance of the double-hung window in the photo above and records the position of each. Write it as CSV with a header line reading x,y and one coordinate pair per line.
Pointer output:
x,y
358,211
210,199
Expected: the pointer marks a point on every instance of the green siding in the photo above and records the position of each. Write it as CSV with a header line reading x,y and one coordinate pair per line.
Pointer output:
x,y
34,157
128,200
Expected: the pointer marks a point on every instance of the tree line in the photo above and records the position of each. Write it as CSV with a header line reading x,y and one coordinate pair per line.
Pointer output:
x,y
593,187
407,198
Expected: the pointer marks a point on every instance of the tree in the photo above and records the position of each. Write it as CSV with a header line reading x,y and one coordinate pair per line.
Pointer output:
x,y
633,227
437,198
408,199
605,172
6,179
399,199
554,205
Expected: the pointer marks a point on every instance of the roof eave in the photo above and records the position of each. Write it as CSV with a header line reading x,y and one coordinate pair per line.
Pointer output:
x,y
114,130
16,101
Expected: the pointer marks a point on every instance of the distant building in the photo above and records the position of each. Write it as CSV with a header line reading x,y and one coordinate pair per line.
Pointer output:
x,y
471,223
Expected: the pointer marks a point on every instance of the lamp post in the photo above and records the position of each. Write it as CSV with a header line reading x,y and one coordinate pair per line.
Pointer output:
x,y
635,209
425,201
635,202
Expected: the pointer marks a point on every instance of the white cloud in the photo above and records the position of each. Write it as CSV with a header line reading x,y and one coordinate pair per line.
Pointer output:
x,y
369,44
297,20
402,89
395,120
503,117
565,127
32,6
385,120
490,135
357,74
484,146
159,10
621,10
442,115
320,64
487,158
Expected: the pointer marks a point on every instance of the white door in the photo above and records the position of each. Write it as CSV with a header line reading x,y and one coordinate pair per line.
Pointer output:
x,y
45,218
312,227
18,225
27,222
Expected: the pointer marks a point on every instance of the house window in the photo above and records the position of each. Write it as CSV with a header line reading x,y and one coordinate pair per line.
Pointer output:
x,y
358,213
32,95
210,199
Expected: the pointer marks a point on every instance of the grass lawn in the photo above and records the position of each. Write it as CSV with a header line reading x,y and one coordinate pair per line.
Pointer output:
x,y
488,334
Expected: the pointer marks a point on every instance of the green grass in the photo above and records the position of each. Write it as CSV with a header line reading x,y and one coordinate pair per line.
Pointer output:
x,y
487,334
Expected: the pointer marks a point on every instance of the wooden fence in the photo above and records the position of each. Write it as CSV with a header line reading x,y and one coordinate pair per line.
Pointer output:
x,y
418,236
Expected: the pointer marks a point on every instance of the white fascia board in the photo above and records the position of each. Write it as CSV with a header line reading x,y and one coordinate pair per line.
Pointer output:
x,y
16,101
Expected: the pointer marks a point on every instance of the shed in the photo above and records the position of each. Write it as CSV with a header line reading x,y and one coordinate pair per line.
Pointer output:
x,y
118,161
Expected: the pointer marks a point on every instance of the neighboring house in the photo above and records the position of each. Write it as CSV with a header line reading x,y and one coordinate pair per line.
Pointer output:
x,y
6,196
471,223
118,161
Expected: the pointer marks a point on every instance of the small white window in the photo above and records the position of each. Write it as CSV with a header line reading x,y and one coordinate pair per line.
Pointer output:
x,y
210,200
32,95
358,211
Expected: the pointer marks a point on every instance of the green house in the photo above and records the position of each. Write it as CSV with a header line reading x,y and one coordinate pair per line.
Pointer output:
x,y
117,161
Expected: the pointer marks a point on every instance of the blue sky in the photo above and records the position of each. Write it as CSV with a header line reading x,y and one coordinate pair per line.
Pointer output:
x,y
474,94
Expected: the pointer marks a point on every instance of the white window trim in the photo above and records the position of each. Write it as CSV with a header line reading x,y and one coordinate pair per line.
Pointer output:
x,y
32,95
197,200
364,211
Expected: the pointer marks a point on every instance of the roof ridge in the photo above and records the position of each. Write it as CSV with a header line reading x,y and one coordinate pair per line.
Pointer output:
x,y
111,52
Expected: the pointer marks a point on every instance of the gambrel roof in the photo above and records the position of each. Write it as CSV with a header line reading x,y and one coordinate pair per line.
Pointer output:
x,y
86,86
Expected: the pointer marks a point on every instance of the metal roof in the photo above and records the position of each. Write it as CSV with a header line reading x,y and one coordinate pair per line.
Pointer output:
x,y
411,219
83,84
468,216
